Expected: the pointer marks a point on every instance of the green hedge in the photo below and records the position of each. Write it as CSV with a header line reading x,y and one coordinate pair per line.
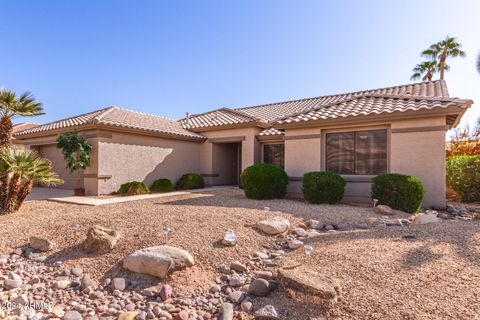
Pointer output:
x,y
264,181
133,188
323,187
162,185
463,176
190,181
398,191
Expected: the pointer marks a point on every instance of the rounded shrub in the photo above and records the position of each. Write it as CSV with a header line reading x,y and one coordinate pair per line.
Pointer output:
x,y
190,181
398,191
162,185
264,181
133,188
463,176
323,187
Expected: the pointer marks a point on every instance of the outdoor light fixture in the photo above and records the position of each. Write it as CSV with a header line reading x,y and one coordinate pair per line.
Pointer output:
x,y
166,232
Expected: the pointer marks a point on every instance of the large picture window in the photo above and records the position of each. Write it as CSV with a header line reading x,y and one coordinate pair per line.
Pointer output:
x,y
359,152
274,154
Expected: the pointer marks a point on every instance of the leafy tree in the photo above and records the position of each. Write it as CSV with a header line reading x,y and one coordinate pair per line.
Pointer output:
x,y
465,141
23,168
12,106
425,70
76,152
442,50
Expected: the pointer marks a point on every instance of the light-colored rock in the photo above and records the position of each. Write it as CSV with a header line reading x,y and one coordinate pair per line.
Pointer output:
x,y
294,244
274,225
315,224
266,313
300,232
261,255
72,315
87,281
238,266
383,210
100,240
236,281
236,296
424,218
246,306
62,284
12,283
118,284
41,244
227,311
158,261
259,288
307,283
127,315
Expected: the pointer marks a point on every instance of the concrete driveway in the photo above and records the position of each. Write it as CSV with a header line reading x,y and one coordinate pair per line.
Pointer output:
x,y
39,193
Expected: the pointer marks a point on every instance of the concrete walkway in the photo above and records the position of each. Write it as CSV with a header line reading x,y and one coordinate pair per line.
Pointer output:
x,y
42,193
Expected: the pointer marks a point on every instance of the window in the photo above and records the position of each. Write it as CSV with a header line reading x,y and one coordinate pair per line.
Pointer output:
x,y
359,152
274,154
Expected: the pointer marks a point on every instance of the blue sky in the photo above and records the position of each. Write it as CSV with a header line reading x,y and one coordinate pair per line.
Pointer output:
x,y
170,57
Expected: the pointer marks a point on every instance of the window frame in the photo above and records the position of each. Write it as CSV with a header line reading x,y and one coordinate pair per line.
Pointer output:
x,y
273,143
350,176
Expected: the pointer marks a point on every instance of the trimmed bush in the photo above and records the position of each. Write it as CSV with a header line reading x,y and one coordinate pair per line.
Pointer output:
x,y
463,176
190,181
398,191
323,187
264,181
133,188
162,185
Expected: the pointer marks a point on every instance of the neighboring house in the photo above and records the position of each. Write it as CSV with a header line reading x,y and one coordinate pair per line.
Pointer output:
x,y
17,128
359,135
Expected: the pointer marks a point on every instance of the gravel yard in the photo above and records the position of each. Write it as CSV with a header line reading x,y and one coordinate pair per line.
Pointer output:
x,y
414,272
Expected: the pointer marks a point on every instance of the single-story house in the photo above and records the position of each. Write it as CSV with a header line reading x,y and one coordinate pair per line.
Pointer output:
x,y
361,134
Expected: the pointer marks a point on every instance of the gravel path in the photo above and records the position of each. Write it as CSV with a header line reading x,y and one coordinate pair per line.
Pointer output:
x,y
415,272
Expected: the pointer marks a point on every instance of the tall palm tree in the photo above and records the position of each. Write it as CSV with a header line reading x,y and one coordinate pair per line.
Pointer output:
x,y
23,168
424,70
11,106
442,50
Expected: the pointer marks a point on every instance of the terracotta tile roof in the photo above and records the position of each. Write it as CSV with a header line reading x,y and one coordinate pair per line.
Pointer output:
x,y
271,132
23,126
118,117
273,112
220,117
372,104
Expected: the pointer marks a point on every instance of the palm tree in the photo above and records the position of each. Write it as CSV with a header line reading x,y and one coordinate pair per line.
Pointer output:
x,y
11,106
443,49
424,70
23,168
76,152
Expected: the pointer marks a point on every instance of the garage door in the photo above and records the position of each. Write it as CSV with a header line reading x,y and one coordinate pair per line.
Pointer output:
x,y
53,154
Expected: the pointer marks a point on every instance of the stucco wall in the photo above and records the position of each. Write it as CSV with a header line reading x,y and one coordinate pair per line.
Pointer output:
x,y
414,148
126,157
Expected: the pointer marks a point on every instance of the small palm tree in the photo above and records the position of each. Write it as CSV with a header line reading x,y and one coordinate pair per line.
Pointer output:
x,y
76,152
425,70
442,50
12,106
23,168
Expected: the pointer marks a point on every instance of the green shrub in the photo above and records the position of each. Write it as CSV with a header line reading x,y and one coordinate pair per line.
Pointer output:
x,y
463,176
398,191
323,187
264,181
190,181
162,185
133,188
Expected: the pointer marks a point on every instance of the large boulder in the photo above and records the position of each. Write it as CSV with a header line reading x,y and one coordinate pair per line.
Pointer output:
x,y
100,240
274,225
158,261
306,284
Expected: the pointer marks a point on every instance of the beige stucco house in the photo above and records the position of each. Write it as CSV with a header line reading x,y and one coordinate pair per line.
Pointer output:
x,y
359,135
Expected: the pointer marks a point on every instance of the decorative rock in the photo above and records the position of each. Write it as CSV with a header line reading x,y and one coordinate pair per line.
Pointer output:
x,y
158,261
62,284
294,244
274,225
87,282
182,315
266,313
127,315
165,292
246,306
237,266
12,283
77,271
329,227
300,232
259,288
424,218
215,288
306,283
100,240
118,284
236,296
315,224
383,210
261,255
41,244
236,281
267,275
72,315
227,311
